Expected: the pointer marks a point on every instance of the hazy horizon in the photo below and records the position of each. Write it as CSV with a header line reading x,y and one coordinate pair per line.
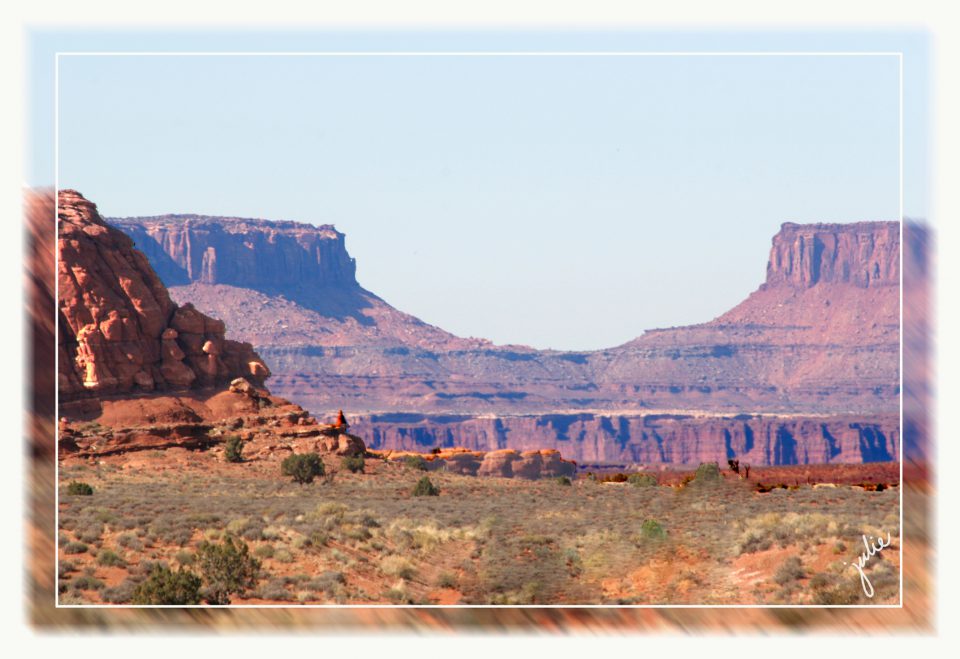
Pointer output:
x,y
558,202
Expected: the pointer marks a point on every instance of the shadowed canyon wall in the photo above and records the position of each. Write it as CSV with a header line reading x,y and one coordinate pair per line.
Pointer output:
x,y
820,336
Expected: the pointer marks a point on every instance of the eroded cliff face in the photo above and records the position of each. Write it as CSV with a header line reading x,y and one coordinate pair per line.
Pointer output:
x,y
256,254
120,333
820,336
863,254
652,439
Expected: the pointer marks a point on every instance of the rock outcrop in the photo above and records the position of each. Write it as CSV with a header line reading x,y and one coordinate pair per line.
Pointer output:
x,y
820,336
651,439
275,256
863,254
120,333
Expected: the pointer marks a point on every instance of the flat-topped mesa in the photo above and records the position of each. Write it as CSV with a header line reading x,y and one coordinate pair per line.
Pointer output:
x,y
120,333
263,255
862,254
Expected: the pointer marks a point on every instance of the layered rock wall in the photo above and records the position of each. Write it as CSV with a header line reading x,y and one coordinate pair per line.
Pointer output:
x,y
863,254
241,252
653,439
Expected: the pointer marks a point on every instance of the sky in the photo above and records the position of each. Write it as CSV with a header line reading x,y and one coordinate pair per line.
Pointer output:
x,y
566,202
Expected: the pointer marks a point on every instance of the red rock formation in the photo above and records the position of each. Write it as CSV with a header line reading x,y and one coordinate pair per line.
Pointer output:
x,y
820,336
863,254
643,439
120,332
242,252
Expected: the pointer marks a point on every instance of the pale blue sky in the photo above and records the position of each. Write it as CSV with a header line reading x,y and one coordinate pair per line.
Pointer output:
x,y
564,202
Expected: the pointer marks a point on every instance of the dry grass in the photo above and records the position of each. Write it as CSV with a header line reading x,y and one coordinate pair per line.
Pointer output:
x,y
363,538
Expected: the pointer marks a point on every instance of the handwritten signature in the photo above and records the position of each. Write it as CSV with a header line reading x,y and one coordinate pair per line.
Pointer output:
x,y
871,550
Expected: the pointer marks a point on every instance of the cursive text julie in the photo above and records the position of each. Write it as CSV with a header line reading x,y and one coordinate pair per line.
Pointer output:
x,y
871,550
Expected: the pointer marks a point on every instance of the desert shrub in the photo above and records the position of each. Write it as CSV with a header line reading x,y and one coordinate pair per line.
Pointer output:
x,y
820,580
399,594
75,548
446,580
86,582
828,594
354,463
233,449
301,542
130,541
642,480
275,589
397,566
789,571
226,569
90,532
302,467
65,568
565,481
120,594
72,597
164,586
109,558
529,593
415,462
762,532
272,533
327,582
573,561
76,488
424,488
263,551
184,557
283,555
708,473
652,530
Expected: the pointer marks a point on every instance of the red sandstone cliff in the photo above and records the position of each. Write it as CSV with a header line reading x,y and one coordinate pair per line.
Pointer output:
x,y
820,336
120,332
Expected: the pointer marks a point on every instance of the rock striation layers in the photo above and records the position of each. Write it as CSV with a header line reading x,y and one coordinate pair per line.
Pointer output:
x,y
120,333
820,337
650,439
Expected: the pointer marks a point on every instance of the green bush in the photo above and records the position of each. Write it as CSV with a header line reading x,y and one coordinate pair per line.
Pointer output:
x,y
354,463
652,530
415,462
446,580
86,582
302,467
708,473
425,488
264,551
164,586
226,569
642,480
109,558
233,451
77,488
121,594
565,481
789,571
75,548
185,558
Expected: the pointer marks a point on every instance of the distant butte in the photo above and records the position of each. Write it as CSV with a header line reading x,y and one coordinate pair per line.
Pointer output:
x,y
819,337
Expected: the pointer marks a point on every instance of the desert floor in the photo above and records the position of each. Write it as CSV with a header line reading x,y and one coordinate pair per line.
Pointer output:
x,y
363,538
